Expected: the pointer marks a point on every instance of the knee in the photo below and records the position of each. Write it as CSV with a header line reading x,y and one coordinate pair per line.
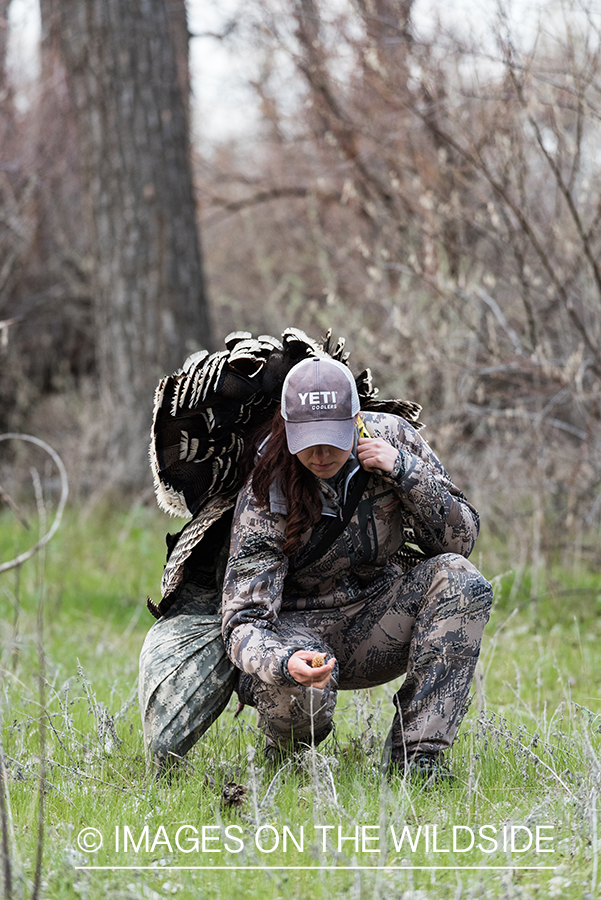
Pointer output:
x,y
479,594
465,582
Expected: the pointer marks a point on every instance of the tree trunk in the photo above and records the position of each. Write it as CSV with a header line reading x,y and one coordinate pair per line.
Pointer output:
x,y
151,307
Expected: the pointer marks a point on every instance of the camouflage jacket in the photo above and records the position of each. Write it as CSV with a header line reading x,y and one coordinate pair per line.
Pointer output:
x,y
416,500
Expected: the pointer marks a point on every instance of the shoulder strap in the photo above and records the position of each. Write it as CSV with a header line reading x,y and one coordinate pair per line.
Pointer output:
x,y
338,525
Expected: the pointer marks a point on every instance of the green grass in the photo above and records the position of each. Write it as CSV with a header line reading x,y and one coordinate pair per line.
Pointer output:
x,y
527,754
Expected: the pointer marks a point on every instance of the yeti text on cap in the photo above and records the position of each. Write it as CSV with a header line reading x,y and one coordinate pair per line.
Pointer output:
x,y
314,399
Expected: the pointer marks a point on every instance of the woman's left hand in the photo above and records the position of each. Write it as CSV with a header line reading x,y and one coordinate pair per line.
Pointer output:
x,y
376,455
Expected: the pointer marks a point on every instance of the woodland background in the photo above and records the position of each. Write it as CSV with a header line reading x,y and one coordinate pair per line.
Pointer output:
x,y
434,198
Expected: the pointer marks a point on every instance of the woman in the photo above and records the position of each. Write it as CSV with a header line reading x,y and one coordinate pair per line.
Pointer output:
x,y
290,598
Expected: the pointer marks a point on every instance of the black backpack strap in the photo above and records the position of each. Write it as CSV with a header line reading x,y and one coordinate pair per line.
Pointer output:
x,y
337,526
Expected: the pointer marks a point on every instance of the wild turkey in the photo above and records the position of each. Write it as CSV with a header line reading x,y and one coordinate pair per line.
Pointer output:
x,y
203,416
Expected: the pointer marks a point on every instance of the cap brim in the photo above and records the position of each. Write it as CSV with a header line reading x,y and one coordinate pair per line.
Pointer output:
x,y
301,435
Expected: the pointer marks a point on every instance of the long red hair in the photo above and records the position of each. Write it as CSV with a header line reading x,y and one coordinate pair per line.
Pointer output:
x,y
299,486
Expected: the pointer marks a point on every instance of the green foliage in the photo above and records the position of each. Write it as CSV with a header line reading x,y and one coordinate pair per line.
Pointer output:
x,y
527,754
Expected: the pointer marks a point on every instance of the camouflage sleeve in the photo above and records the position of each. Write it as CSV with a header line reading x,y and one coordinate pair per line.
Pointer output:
x,y
252,592
442,519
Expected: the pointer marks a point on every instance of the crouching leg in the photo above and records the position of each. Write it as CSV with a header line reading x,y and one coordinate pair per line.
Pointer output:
x,y
291,714
451,603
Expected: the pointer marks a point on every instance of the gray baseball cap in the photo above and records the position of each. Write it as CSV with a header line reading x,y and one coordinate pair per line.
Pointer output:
x,y
319,404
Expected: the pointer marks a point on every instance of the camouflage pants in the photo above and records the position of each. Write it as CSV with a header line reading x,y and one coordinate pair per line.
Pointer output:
x,y
426,623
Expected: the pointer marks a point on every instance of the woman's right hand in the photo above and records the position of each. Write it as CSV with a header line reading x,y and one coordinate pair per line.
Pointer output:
x,y
376,455
299,666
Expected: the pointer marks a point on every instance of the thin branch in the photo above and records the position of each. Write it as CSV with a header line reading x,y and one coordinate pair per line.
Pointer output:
x,y
5,324
277,193
513,413
19,560
6,863
17,512
216,35
44,779
496,309
79,772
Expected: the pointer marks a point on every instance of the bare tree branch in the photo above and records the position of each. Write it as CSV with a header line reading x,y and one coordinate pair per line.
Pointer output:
x,y
23,557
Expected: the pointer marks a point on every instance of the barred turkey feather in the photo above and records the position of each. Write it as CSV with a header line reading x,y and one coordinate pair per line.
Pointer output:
x,y
270,343
205,413
298,346
181,386
338,349
235,337
187,540
195,360
201,387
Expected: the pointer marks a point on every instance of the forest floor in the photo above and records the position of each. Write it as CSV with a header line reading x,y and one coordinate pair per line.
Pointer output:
x,y
519,820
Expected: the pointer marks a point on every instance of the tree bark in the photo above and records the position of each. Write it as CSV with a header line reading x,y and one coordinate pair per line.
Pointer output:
x,y
151,307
